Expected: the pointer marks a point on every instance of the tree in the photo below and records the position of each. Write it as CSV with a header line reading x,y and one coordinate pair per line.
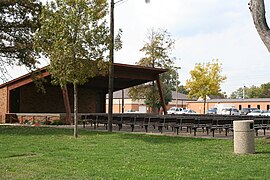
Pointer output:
x,y
75,37
223,95
157,54
18,22
265,90
180,88
205,80
246,92
252,92
257,9
238,94
262,91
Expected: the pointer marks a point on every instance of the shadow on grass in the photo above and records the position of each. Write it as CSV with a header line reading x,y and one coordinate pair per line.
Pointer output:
x,y
158,139
58,130
262,152
39,131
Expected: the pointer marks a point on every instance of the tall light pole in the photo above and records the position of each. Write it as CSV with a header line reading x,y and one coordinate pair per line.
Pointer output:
x,y
244,92
176,84
111,69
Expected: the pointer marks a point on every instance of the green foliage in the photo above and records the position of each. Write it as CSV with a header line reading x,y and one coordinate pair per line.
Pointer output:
x,y
150,94
253,92
157,49
238,94
118,44
180,88
51,153
157,54
265,90
18,23
75,37
57,122
262,91
223,95
205,80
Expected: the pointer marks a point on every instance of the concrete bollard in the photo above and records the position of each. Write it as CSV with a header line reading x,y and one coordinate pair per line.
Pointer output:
x,y
244,137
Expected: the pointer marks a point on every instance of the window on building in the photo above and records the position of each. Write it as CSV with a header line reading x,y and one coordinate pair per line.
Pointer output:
x,y
268,107
249,106
240,107
258,106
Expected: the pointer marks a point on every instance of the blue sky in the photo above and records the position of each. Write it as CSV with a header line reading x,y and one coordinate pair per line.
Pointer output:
x,y
203,30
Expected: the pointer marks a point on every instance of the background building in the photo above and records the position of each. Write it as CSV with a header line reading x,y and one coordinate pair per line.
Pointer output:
x,y
122,100
260,103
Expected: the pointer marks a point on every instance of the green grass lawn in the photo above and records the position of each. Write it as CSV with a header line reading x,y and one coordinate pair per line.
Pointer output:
x,y
51,153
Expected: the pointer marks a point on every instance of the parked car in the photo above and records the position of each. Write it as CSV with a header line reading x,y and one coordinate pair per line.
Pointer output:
x,y
245,111
266,113
230,111
212,111
131,111
175,110
255,113
188,111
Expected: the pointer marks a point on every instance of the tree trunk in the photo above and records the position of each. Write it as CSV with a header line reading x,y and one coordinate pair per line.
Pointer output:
x,y
204,102
257,9
75,110
67,105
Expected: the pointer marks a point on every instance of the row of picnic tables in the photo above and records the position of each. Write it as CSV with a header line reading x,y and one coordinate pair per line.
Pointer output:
x,y
189,122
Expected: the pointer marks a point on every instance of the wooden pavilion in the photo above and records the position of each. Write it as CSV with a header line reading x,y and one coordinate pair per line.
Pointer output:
x,y
21,96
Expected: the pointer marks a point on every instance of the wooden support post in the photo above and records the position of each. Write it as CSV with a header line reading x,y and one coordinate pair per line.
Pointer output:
x,y
161,95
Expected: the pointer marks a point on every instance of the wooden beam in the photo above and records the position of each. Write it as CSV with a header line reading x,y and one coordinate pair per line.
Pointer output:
x,y
161,95
141,75
26,80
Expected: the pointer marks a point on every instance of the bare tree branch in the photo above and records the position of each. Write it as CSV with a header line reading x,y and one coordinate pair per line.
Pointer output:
x,y
257,9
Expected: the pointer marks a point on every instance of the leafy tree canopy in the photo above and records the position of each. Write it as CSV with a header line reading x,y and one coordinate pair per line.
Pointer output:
x,y
262,91
19,19
205,80
157,54
180,88
75,37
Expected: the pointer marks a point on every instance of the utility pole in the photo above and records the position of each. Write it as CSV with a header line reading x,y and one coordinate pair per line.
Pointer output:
x,y
153,91
244,92
176,84
111,68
